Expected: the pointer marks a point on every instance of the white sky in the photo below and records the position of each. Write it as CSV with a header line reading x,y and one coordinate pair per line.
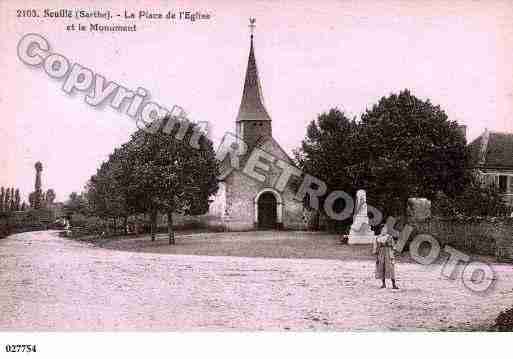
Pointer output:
x,y
311,57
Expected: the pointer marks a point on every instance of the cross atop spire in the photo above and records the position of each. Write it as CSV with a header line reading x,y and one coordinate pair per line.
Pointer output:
x,y
252,103
252,25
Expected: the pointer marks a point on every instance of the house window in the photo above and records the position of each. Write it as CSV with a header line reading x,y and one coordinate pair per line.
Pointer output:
x,y
489,180
503,184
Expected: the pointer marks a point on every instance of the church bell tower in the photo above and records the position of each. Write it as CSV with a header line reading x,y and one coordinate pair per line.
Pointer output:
x,y
253,121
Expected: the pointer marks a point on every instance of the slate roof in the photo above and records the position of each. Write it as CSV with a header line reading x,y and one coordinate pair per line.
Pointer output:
x,y
252,103
251,108
492,150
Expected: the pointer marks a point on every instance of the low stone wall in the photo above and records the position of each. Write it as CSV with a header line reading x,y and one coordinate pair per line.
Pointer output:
x,y
17,222
487,236
31,220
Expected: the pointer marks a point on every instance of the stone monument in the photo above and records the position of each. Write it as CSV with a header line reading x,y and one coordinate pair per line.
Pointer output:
x,y
37,186
419,209
361,232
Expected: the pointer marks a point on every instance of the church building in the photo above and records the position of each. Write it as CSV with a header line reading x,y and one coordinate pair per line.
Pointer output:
x,y
243,202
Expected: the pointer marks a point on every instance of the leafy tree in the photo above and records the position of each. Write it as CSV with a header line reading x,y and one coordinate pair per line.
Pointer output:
x,y
50,197
32,199
327,152
7,200
76,204
475,200
405,128
388,183
17,200
2,199
155,172
402,147
172,176
12,206
110,191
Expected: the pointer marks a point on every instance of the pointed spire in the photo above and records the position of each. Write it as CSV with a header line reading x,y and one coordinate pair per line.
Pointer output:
x,y
252,103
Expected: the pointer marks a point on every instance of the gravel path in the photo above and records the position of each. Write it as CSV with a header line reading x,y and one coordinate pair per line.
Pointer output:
x,y
51,283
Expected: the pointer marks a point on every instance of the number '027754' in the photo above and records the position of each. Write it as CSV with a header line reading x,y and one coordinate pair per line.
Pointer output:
x,y
20,348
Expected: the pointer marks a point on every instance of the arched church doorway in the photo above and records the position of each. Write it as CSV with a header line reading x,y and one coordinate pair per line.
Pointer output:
x,y
267,214
268,209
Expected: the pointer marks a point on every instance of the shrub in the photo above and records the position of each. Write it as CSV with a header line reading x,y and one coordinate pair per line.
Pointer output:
x,y
475,201
444,207
504,321
4,225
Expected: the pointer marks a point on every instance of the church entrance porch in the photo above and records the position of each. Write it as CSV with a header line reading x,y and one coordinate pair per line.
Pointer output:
x,y
268,210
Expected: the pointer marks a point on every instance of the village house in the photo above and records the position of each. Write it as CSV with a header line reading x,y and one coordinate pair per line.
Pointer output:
x,y
492,158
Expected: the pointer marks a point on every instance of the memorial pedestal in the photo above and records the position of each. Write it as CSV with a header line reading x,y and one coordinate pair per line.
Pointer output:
x,y
361,233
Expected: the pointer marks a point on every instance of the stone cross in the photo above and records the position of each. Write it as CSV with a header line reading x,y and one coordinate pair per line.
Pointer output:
x,y
252,25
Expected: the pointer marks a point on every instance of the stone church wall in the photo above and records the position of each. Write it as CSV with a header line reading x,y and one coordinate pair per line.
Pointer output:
x,y
295,215
241,191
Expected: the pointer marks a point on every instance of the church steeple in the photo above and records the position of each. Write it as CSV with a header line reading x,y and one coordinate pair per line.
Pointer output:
x,y
253,121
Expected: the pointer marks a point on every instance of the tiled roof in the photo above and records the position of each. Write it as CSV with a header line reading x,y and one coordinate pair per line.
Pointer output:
x,y
475,150
492,150
252,103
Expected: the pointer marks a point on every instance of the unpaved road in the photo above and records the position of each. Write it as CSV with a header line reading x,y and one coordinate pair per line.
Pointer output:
x,y
50,283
